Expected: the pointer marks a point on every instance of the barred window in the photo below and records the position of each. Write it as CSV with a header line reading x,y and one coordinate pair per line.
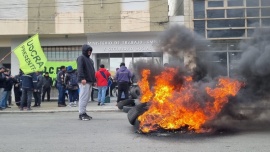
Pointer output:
x,y
235,3
62,53
215,4
215,13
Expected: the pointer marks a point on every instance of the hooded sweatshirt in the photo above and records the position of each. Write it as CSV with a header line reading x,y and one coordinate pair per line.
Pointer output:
x,y
123,74
85,66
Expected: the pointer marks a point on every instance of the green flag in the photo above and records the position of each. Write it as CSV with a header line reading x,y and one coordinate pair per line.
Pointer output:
x,y
52,67
31,55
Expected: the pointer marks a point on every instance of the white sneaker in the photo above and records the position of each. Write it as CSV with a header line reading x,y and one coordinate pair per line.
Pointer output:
x,y
74,104
70,104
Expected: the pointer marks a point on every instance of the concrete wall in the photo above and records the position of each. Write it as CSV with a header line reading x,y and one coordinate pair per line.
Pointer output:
x,y
176,7
13,18
158,15
41,16
69,16
188,14
29,17
104,17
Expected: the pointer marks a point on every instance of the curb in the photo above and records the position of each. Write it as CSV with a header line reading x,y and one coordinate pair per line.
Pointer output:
x,y
56,111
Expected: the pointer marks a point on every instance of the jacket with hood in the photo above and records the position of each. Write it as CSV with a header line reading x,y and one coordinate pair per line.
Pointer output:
x,y
85,66
123,75
69,74
101,81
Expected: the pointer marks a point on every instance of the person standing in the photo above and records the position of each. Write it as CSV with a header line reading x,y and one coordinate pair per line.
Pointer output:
x,y
7,89
123,76
2,82
71,82
114,83
102,76
27,83
61,86
86,79
17,88
47,80
38,89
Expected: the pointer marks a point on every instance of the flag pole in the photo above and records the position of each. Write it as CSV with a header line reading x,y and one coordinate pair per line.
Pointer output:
x,y
5,56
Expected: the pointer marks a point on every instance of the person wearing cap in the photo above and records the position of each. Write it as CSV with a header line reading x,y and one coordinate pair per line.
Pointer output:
x,y
123,76
86,79
47,85
2,82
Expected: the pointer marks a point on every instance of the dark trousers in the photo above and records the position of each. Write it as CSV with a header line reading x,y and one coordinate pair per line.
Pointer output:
x,y
111,89
26,97
73,95
18,94
37,97
114,84
92,94
48,92
122,87
61,94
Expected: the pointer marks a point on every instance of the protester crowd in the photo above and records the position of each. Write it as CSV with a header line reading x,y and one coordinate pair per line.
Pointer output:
x,y
76,84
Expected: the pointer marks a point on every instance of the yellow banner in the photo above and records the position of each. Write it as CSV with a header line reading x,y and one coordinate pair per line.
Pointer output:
x,y
52,67
31,55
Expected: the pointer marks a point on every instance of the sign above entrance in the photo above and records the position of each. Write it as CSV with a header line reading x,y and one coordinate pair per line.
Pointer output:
x,y
123,43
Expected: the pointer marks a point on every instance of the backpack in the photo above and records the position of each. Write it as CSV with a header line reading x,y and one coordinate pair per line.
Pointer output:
x,y
72,83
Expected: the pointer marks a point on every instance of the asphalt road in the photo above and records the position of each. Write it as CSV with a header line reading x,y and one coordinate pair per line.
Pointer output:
x,y
111,132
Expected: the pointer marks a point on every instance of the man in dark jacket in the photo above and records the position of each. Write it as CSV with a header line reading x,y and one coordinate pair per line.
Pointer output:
x,y
47,84
27,83
7,89
37,89
86,79
123,76
2,82
17,88
61,87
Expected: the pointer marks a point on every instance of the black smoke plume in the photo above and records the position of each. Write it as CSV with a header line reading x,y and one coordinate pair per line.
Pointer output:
x,y
253,70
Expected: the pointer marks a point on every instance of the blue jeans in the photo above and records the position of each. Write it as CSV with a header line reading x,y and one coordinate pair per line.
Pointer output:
x,y
61,94
4,99
101,94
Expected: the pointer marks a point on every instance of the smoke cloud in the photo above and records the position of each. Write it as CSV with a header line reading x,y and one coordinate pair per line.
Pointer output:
x,y
250,105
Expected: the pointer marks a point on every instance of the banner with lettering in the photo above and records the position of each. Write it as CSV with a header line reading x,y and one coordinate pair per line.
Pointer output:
x,y
31,55
52,67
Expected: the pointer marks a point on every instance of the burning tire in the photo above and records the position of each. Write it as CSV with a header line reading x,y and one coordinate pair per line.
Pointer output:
x,y
135,92
127,108
126,102
136,111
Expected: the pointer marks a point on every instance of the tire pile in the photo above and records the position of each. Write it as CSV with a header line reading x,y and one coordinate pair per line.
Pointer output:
x,y
132,108
135,92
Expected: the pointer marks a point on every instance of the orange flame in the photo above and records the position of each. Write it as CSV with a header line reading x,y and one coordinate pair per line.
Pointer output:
x,y
174,106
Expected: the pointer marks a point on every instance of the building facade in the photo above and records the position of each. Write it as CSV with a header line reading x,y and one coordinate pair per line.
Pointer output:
x,y
224,23
64,25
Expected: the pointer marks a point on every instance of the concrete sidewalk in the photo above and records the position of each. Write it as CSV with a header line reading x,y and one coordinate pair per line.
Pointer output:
x,y
52,106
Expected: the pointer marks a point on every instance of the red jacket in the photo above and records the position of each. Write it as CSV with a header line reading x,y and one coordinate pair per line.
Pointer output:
x,y
101,81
